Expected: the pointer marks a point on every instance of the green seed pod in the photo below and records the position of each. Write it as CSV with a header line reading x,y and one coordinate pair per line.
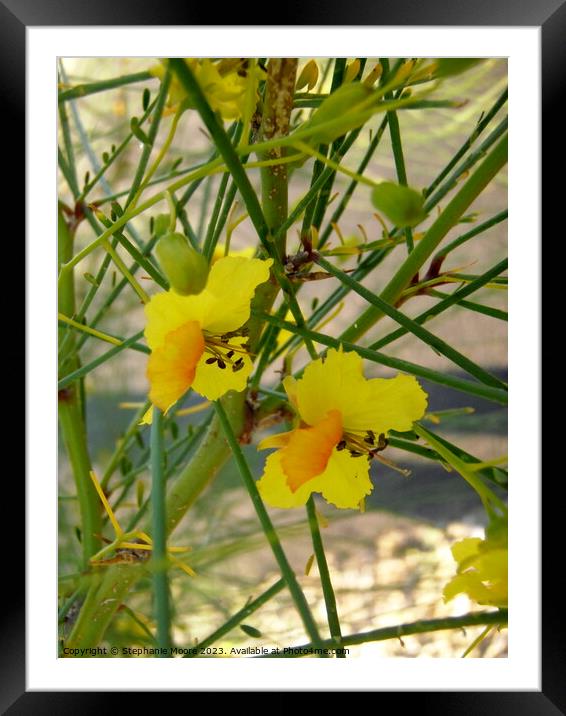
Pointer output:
x,y
185,268
342,104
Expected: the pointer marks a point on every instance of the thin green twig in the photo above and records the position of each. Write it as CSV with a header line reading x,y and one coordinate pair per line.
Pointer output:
x,y
159,534
325,580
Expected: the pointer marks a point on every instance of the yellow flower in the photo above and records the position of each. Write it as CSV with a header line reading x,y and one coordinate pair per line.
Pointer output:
x,y
482,567
344,420
224,82
198,341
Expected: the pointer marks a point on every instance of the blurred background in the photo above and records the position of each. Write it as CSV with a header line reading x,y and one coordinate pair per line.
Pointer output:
x,y
389,564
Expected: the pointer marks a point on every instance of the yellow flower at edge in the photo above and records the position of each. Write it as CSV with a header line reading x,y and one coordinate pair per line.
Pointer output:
x,y
199,341
224,83
482,567
343,419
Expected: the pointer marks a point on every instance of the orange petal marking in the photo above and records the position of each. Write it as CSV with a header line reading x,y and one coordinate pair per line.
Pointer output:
x,y
309,450
171,367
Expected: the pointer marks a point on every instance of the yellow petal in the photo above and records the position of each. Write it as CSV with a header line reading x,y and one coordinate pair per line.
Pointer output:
x,y
352,70
275,441
492,565
231,285
147,417
337,383
212,381
274,489
224,304
345,482
165,312
290,385
309,449
467,583
381,404
465,548
392,404
171,367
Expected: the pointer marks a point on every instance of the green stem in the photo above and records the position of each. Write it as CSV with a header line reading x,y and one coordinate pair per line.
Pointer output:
x,y
83,90
423,626
269,529
277,106
473,187
210,456
324,572
397,147
159,533
71,420
239,616
479,229
67,163
477,307
135,190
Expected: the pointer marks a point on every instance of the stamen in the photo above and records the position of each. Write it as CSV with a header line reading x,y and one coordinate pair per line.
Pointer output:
x,y
223,351
363,443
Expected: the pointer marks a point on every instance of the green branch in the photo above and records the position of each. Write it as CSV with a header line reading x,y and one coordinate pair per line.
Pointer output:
x,y
324,572
86,89
423,626
159,533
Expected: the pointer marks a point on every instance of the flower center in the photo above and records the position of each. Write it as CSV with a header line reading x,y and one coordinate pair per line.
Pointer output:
x,y
227,349
362,442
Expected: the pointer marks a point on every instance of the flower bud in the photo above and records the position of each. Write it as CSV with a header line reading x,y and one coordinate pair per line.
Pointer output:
x,y
185,268
342,104
400,204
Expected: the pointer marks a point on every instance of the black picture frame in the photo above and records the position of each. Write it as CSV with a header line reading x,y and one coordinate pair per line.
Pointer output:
x,y
15,17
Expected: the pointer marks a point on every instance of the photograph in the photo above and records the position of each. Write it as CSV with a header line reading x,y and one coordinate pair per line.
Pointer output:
x,y
282,358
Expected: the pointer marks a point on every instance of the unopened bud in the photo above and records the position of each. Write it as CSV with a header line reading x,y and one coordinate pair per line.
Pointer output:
x,y
343,104
185,268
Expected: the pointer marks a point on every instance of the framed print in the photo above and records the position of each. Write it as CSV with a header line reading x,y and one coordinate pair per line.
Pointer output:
x,y
282,356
